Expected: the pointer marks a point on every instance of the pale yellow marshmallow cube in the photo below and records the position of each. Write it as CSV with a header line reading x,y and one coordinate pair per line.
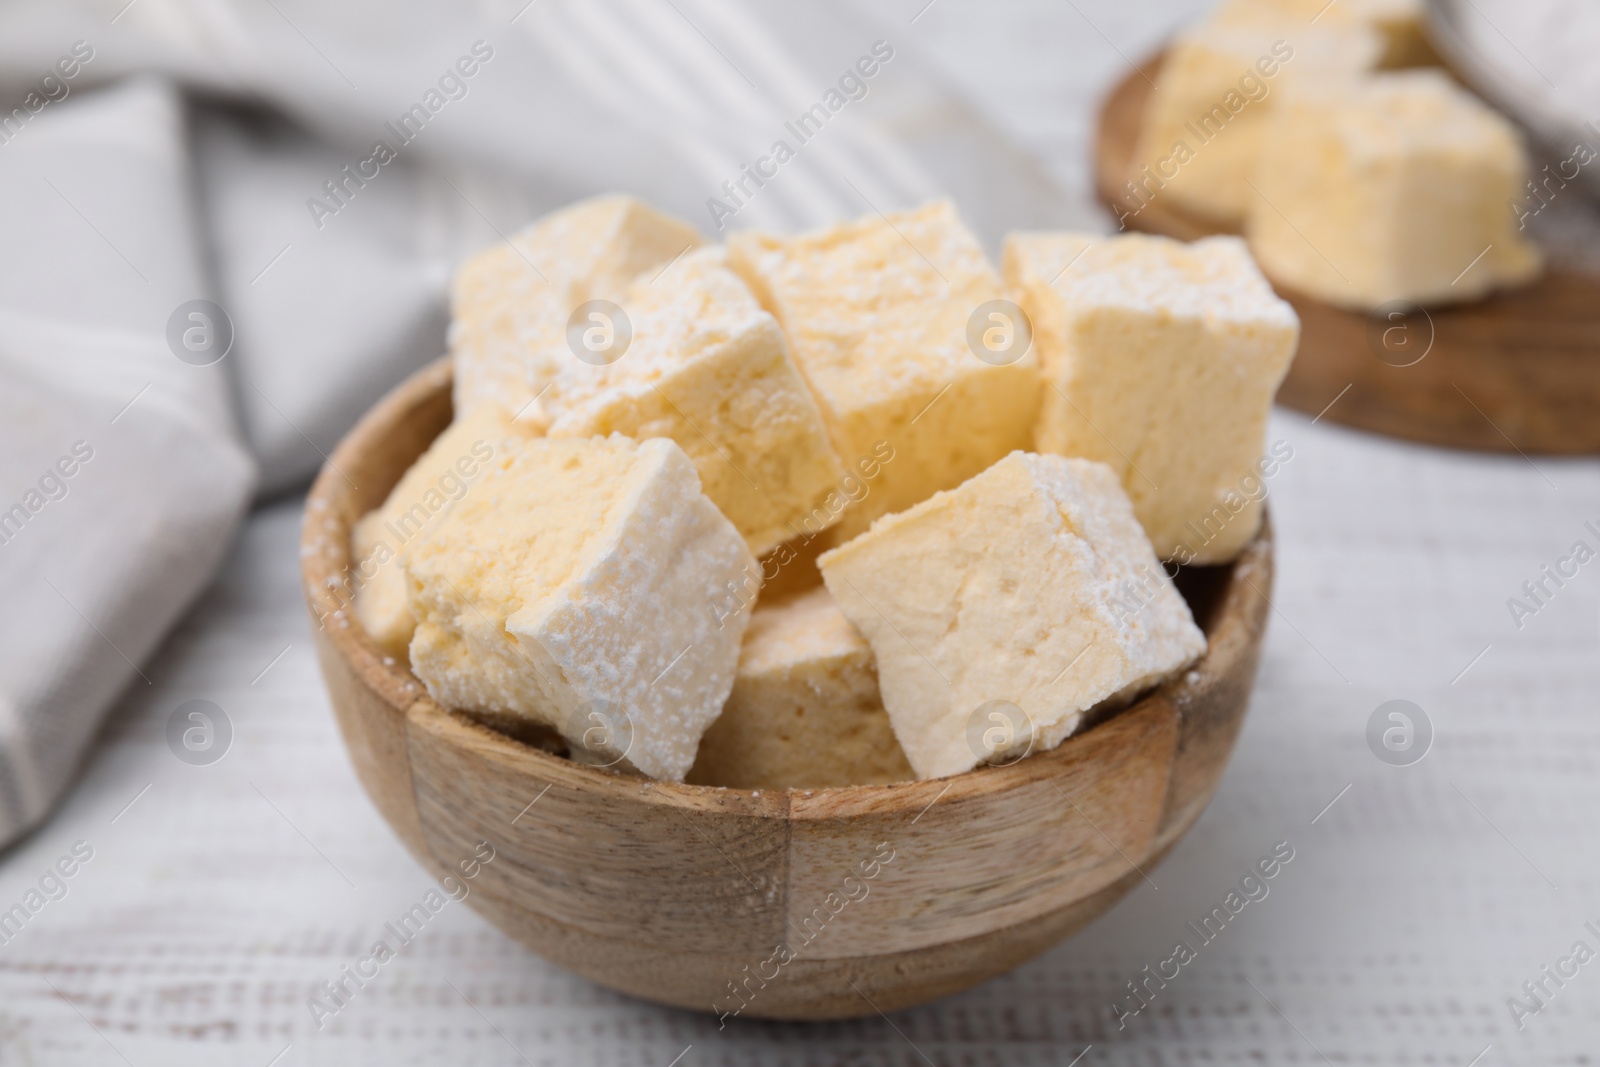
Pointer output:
x,y
877,312
510,302
708,368
1160,360
571,589
439,478
1401,24
1205,120
1391,188
1000,612
805,711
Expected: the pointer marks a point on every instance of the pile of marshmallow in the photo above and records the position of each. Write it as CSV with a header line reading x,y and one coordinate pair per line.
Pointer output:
x,y
1328,134
827,509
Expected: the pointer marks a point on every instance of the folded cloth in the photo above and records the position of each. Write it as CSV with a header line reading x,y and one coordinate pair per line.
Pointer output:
x,y
121,482
316,170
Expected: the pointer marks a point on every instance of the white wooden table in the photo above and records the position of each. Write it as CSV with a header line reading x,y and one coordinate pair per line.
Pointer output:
x,y
1418,901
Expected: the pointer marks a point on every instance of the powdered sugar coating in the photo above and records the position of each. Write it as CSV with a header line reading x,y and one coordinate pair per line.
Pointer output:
x,y
1033,584
431,487
1418,111
877,313
582,578
708,368
1390,190
510,302
1214,279
1162,360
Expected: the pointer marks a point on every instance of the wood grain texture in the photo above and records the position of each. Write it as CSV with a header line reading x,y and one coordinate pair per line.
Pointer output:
x,y
1518,371
367,691
1009,845
783,904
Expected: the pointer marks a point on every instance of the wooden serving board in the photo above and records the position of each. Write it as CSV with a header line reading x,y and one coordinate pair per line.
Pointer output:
x,y
1519,371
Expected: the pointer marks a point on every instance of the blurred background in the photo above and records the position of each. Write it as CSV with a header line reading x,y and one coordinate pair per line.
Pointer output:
x,y
204,152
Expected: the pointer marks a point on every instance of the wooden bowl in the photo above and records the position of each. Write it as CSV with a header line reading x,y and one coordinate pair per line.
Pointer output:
x,y
679,893
1516,372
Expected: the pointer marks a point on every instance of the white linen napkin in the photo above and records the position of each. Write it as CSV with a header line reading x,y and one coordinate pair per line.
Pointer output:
x,y
120,479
